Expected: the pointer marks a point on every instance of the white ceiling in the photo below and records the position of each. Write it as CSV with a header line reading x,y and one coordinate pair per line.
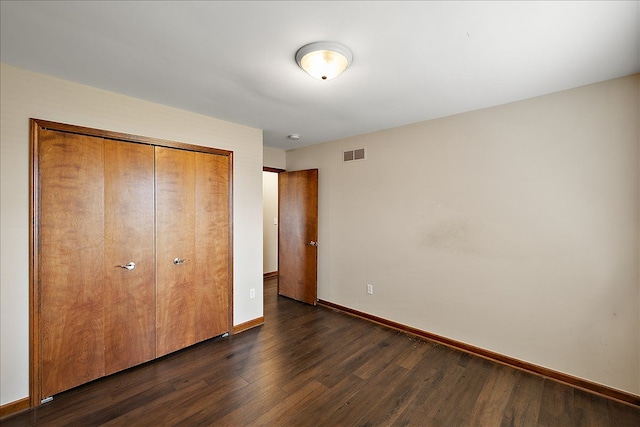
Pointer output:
x,y
413,61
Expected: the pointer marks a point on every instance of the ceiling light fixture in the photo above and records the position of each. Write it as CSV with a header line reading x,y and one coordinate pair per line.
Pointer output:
x,y
324,60
294,137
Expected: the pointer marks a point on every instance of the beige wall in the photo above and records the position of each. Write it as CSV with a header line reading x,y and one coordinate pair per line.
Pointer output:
x,y
513,228
269,227
23,95
274,158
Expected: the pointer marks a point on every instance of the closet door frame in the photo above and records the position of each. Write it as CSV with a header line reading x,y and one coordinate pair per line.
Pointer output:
x,y
36,126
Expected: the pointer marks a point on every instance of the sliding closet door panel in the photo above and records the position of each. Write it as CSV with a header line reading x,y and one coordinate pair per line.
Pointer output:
x,y
71,218
130,314
175,249
212,245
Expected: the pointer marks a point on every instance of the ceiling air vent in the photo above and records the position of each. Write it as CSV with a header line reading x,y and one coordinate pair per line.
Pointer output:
x,y
352,155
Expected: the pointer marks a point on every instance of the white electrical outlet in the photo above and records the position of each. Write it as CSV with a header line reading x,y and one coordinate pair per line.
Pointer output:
x,y
369,289
252,293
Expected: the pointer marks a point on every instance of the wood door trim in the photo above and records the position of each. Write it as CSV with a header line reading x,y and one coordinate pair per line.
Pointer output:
x,y
270,275
106,134
586,385
274,170
34,271
37,125
230,293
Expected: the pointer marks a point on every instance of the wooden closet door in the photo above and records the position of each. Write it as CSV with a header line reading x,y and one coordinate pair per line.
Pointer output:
x,y
175,249
130,314
192,225
130,251
71,265
212,245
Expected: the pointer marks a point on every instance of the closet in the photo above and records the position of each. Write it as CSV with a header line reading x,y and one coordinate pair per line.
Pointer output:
x,y
131,251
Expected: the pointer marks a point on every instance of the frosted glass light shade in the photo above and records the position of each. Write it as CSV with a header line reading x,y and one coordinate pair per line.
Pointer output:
x,y
324,60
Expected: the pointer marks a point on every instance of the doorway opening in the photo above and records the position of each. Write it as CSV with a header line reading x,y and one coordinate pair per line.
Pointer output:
x,y
270,235
269,224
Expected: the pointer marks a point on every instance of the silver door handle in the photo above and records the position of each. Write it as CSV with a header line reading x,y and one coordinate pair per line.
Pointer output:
x,y
312,243
179,261
129,266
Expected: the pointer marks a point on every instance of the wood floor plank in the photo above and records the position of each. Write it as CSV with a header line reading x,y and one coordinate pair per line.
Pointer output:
x,y
620,414
389,409
168,409
241,406
315,366
101,416
587,412
393,346
410,358
375,392
494,396
457,408
319,411
351,362
524,404
437,387
299,400
557,405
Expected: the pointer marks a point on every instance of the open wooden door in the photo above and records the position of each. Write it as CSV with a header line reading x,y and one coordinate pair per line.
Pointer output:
x,y
298,235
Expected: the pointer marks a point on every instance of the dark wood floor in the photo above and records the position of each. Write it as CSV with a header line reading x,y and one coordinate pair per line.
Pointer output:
x,y
312,366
